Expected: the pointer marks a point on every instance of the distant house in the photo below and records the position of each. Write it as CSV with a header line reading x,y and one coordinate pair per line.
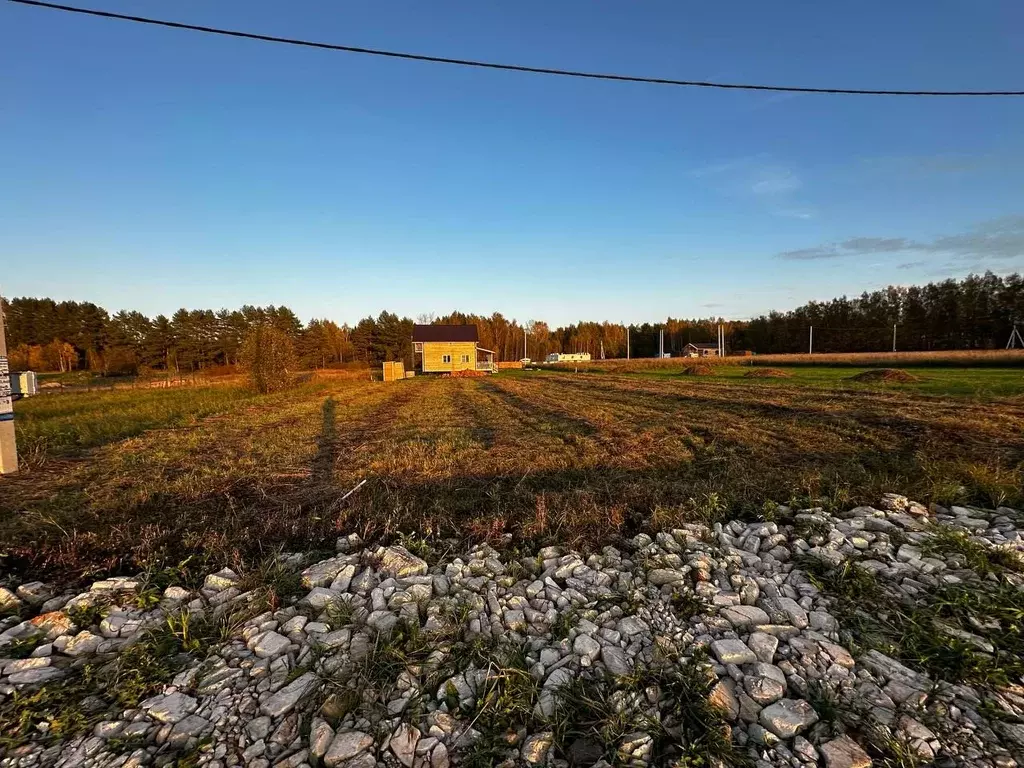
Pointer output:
x,y
709,349
568,357
447,348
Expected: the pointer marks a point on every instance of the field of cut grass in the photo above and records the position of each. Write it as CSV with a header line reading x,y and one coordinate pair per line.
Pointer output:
x,y
517,458
67,424
977,359
948,381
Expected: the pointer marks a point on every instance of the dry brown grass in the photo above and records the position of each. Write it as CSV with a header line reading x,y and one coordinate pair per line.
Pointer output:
x,y
699,369
886,376
568,459
767,373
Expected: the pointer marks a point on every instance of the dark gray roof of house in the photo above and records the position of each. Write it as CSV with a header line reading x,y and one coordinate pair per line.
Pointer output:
x,y
703,344
445,333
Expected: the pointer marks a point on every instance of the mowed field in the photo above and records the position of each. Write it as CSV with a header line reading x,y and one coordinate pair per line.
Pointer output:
x,y
120,480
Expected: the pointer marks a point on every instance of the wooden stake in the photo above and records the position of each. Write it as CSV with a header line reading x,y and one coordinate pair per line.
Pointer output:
x,y
8,446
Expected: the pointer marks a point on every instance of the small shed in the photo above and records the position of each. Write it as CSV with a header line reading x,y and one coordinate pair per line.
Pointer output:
x,y
701,349
393,371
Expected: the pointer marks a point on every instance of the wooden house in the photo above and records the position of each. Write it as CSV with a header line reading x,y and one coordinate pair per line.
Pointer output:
x,y
708,349
449,348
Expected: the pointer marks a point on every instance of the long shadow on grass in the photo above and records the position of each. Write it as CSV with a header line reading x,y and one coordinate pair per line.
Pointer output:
x,y
327,445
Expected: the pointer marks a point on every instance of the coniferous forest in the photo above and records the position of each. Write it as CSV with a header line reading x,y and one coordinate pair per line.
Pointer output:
x,y
977,312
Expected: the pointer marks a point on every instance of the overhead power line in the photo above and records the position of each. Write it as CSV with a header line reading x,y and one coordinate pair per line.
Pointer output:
x,y
505,67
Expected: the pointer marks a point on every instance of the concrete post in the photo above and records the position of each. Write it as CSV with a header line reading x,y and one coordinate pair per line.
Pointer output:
x,y
8,447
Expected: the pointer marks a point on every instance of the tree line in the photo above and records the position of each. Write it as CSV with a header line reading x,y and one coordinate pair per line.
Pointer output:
x,y
977,312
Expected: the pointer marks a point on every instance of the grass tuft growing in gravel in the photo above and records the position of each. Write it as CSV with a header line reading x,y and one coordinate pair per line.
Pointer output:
x,y
961,633
667,699
978,557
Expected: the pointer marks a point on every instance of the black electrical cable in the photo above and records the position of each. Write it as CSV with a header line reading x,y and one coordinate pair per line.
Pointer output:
x,y
505,67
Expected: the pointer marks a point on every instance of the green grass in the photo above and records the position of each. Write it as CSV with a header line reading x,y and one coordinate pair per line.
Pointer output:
x,y
68,424
912,631
983,560
983,383
687,731
137,672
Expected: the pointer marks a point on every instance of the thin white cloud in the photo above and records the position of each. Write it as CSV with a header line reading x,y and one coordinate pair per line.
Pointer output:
x,y
758,178
997,239
796,213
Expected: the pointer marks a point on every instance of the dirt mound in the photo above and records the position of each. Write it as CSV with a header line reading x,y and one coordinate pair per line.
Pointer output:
x,y
887,375
766,373
700,369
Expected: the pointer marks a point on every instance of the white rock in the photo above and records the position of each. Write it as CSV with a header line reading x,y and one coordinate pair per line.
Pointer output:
x,y
763,645
321,597
731,651
587,647
323,573
221,580
32,676
844,752
535,748
170,708
662,576
34,593
741,616
723,698
320,737
797,615
270,644
403,743
788,717
346,746
22,665
285,699
9,602
85,642
616,661
399,562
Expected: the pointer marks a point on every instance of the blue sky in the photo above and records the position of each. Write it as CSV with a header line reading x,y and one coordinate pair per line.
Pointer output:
x,y
150,169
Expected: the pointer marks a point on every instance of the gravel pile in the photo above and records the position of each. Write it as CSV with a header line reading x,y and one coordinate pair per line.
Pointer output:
x,y
724,645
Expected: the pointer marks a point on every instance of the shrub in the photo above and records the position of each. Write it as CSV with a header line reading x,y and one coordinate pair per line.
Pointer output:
x,y
268,357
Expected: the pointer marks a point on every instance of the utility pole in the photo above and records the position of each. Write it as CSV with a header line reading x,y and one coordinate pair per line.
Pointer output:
x,y
8,446
1015,337
810,343
627,342
894,337
661,343
524,343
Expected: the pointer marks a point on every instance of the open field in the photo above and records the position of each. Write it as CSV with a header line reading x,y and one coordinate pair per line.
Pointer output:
x,y
131,478
978,383
971,359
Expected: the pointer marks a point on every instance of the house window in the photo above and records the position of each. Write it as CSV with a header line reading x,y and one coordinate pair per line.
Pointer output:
x,y
465,358
446,358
